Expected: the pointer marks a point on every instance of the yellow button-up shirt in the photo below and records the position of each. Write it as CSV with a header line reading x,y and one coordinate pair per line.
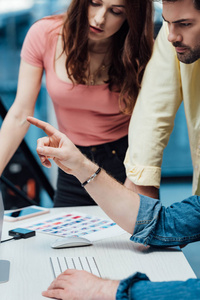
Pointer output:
x,y
166,83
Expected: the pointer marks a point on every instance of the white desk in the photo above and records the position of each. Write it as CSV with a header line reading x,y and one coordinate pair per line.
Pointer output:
x,y
117,258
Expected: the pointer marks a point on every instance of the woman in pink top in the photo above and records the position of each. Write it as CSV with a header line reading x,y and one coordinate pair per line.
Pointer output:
x,y
94,57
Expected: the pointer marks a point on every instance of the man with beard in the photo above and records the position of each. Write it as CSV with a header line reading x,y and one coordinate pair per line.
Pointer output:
x,y
172,76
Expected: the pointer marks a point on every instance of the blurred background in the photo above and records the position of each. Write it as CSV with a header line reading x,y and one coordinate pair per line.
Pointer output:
x,y
16,17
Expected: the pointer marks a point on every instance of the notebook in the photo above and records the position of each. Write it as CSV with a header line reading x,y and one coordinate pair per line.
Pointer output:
x,y
87,263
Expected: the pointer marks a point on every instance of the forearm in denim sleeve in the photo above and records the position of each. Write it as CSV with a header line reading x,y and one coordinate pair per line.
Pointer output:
x,y
148,216
175,225
178,224
139,287
126,286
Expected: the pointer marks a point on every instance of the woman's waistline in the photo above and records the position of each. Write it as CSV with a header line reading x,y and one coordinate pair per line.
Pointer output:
x,y
106,146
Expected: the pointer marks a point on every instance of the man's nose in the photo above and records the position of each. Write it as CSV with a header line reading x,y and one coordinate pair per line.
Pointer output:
x,y
174,35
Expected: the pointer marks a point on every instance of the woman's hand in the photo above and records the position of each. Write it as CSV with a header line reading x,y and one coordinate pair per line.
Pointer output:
x,y
74,285
58,147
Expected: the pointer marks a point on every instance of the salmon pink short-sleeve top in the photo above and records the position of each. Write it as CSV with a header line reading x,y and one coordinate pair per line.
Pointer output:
x,y
88,115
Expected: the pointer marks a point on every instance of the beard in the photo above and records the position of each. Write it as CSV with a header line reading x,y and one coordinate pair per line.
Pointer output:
x,y
190,55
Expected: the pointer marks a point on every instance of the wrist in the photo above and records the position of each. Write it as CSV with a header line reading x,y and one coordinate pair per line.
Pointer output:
x,y
92,177
107,290
85,170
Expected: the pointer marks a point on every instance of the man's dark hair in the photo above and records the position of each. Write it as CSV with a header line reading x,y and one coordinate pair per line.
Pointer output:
x,y
196,2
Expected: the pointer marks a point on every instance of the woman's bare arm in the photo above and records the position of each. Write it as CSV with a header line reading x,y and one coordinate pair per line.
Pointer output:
x,y
15,125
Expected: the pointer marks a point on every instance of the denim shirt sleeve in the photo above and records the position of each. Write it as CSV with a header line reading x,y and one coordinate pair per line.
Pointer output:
x,y
123,291
138,286
175,225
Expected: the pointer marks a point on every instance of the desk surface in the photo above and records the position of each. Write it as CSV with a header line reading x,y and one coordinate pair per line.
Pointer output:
x,y
117,258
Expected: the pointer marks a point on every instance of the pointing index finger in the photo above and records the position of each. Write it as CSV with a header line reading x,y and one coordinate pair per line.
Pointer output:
x,y
47,128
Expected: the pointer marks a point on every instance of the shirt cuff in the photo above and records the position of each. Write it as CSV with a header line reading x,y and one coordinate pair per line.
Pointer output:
x,y
125,284
142,175
147,220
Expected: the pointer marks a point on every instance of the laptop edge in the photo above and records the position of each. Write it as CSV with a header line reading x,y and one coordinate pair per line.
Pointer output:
x,y
4,264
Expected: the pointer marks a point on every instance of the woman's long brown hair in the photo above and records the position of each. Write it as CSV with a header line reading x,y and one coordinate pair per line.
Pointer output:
x,y
131,50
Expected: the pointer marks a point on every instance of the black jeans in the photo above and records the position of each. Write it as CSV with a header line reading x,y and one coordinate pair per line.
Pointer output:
x,y
109,156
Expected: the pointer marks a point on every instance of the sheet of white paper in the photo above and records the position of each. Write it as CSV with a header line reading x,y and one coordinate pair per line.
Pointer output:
x,y
77,224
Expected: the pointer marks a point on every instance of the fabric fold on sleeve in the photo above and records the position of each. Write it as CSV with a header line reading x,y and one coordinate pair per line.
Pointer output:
x,y
142,175
126,284
147,219
175,225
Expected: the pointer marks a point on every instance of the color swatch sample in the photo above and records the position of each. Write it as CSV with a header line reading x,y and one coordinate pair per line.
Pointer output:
x,y
77,224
